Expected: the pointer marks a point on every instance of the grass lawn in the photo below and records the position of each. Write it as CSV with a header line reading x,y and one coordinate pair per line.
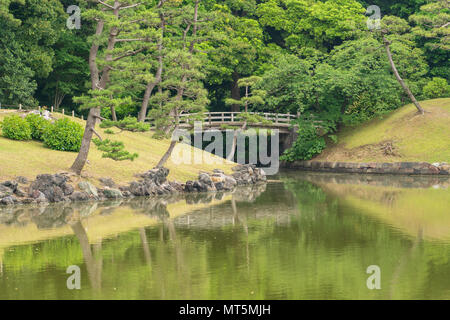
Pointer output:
x,y
30,158
406,135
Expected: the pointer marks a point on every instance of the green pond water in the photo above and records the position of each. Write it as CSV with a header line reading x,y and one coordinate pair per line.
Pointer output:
x,y
301,236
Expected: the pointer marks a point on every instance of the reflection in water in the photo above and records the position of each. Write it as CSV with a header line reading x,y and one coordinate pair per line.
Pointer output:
x,y
306,236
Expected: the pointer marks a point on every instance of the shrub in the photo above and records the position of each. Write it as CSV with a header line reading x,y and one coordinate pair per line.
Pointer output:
x,y
307,145
64,135
38,125
437,88
16,128
128,123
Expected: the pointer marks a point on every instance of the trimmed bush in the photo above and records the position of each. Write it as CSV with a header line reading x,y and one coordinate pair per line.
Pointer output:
x,y
437,88
64,135
16,128
38,125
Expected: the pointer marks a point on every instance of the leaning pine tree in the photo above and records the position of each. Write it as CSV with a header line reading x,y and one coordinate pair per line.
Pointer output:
x,y
119,33
181,89
393,28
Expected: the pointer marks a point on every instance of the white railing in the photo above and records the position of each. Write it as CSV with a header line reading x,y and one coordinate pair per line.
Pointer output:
x,y
214,118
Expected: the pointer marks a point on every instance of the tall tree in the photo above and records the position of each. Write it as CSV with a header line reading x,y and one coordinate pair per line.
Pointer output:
x,y
113,18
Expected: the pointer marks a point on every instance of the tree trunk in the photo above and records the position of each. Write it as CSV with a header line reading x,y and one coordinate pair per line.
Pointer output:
x,y
158,77
113,113
166,156
387,44
81,159
235,92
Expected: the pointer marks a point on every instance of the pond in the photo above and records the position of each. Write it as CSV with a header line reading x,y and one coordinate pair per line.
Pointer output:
x,y
300,236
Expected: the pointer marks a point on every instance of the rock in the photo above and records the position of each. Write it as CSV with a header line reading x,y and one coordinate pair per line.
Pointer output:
x,y
5,191
67,189
112,193
189,186
89,188
9,200
50,185
22,180
11,185
156,175
20,193
41,198
206,182
127,194
107,182
219,186
444,169
229,183
79,196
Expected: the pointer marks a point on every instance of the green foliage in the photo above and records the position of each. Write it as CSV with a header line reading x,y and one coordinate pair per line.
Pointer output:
x,y
114,150
128,123
28,31
38,125
307,145
253,118
64,135
109,131
16,128
437,88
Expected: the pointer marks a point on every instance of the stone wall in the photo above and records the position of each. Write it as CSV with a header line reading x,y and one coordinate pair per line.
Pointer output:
x,y
377,168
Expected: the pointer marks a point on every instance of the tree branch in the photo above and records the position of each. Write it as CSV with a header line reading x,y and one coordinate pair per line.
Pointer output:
x,y
96,133
129,53
130,6
105,4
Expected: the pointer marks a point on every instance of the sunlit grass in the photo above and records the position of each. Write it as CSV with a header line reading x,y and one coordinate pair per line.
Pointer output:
x,y
415,137
29,158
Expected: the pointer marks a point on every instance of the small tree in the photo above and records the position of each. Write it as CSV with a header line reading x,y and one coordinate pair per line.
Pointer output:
x,y
251,97
181,90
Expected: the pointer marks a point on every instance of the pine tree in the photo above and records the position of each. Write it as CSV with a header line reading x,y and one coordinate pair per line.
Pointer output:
x,y
118,35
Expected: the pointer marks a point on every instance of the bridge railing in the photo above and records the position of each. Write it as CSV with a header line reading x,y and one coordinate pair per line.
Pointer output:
x,y
233,117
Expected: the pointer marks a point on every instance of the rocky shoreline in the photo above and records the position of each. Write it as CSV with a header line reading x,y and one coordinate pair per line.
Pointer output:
x,y
53,188
408,168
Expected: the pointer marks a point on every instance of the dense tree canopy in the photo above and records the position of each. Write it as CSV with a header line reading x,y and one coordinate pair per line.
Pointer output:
x,y
316,57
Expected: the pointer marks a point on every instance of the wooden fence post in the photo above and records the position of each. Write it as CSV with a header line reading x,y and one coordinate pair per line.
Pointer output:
x,y
223,117
276,118
51,109
20,106
63,111
73,113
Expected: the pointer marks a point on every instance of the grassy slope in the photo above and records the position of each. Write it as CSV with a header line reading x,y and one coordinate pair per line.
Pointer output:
x,y
29,158
414,137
